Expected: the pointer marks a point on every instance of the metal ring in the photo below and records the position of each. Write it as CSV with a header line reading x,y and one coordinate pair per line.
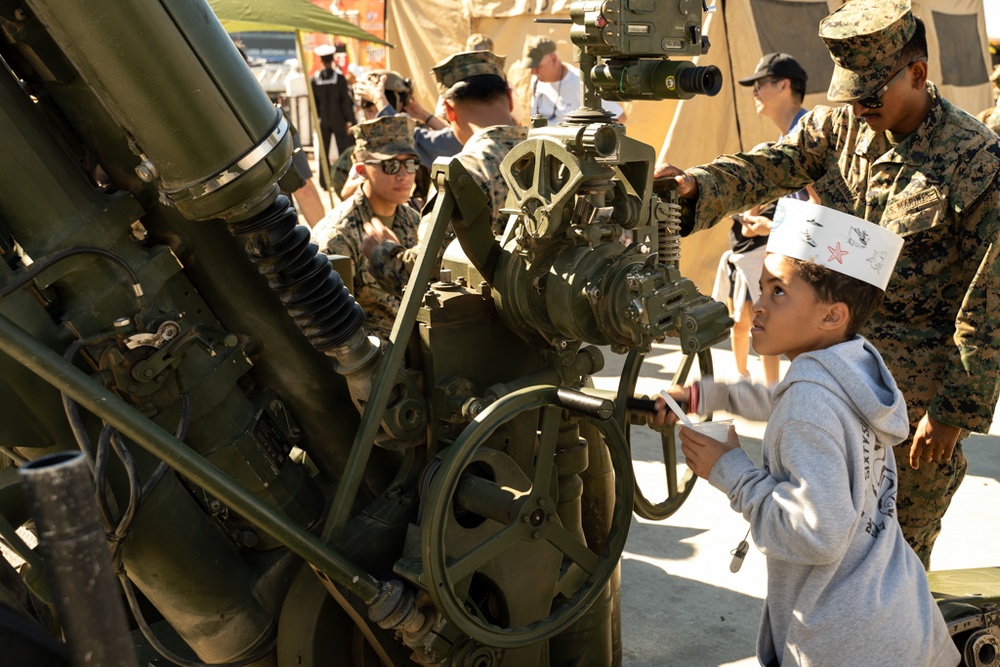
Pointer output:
x,y
251,159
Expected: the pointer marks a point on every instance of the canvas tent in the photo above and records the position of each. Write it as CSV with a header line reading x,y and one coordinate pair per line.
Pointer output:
x,y
696,130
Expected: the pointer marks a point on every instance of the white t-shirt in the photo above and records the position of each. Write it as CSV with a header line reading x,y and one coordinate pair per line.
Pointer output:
x,y
556,99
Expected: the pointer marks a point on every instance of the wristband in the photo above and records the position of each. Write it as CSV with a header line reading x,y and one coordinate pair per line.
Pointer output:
x,y
429,116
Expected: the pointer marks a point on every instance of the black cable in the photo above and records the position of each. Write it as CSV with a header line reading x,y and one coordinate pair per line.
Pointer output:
x,y
73,413
46,262
100,477
118,531
180,434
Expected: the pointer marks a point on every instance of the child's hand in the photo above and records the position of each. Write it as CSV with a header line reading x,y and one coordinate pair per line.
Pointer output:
x,y
701,452
663,416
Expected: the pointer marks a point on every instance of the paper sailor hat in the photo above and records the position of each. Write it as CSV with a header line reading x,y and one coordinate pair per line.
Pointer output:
x,y
836,240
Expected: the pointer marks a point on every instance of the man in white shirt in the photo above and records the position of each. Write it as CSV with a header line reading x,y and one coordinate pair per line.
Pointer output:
x,y
556,88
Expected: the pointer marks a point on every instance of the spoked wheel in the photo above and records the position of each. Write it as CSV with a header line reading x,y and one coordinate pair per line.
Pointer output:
x,y
677,489
524,516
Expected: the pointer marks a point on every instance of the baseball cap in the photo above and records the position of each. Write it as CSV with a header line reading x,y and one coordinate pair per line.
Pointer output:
x,y
536,47
385,138
777,66
864,39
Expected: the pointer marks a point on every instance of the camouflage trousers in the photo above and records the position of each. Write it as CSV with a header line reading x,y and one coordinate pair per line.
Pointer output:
x,y
924,496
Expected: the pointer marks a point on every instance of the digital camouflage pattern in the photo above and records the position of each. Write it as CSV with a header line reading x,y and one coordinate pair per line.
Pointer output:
x,y
482,155
392,264
937,329
340,170
864,39
385,138
460,66
341,233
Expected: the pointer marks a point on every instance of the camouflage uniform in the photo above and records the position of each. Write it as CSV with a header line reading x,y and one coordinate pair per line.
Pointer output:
x,y
481,156
938,188
341,232
340,170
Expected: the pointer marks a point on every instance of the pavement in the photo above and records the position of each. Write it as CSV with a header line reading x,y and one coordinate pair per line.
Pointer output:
x,y
681,605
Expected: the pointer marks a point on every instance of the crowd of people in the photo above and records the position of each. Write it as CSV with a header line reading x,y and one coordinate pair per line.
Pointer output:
x,y
895,355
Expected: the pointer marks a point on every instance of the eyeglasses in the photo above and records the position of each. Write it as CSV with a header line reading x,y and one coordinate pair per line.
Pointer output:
x,y
390,167
874,101
759,83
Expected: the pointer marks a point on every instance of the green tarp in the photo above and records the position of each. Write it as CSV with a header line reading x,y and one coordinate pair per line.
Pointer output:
x,y
284,15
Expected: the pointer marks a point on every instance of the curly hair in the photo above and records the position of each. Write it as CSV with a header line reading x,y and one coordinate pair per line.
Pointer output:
x,y
862,299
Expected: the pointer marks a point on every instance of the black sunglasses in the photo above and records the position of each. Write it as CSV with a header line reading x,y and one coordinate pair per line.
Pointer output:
x,y
759,83
390,167
874,101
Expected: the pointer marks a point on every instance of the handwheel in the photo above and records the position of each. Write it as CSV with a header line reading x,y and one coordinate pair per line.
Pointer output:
x,y
677,490
532,518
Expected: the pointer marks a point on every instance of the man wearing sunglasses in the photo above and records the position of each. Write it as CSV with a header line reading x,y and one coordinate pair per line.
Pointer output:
x,y
898,154
386,160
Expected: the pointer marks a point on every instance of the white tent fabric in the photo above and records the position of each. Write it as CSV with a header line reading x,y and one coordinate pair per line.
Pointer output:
x,y
743,31
694,131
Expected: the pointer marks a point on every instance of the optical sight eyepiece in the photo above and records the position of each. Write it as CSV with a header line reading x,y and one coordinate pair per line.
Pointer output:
x,y
700,80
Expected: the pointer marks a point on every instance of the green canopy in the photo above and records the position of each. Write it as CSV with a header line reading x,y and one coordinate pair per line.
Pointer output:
x,y
285,16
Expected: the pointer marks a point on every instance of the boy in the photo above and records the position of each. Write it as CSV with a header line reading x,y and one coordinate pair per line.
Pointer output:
x,y
844,588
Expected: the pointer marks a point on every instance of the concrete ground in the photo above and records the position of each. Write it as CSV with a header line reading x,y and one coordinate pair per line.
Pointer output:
x,y
681,605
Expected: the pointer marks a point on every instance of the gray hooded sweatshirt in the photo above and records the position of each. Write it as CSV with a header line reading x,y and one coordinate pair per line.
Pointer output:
x,y
843,586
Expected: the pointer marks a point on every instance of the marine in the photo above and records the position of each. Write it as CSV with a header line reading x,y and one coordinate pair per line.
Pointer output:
x,y
388,159
478,104
897,153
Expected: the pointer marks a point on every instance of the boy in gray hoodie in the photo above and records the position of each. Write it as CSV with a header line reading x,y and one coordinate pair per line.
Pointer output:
x,y
843,586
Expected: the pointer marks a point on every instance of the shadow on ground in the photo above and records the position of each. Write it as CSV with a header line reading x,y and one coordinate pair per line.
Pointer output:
x,y
721,624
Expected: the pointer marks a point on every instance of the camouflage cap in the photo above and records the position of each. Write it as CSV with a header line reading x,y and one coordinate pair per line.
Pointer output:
x,y
536,47
477,41
457,68
393,80
864,38
384,138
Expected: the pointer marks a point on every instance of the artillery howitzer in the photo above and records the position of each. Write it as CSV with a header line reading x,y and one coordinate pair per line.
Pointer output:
x,y
194,405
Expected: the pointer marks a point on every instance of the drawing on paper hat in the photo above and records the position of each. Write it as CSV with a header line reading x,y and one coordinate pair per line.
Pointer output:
x,y
835,240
